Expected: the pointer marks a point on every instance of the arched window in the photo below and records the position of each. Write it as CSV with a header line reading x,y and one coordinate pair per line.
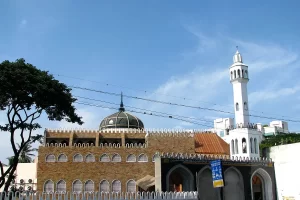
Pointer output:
x,y
231,75
246,74
90,158
154,156
237,107
50,158
143,158
62,158
234,73
78,158
242,73
236,146
104,186
131,186
239,73
49,186
244,145
245,106
251,145
232,146
255,145
116,186
116,158
131,158
77,186
104,158
61,186
89,186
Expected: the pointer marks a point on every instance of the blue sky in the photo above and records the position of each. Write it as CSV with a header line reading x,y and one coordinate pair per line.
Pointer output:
x,y
165,48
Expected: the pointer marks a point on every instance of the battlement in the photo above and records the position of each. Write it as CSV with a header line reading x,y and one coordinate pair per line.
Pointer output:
x,y
101,145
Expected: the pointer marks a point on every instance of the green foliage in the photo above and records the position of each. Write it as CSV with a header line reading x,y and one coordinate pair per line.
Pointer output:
x,y
280,139
25,93
25,155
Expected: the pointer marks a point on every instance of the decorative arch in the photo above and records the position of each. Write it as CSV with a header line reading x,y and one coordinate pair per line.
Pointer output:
x,y
116,158
255,145
251,145
266,184
180,178
234,184
239,73
131,186
90,158
131,158
205,187
61,186
232,147
62,158
49,186
104,158
244,145
104,186
116,186
50,158
89,186
78,158
234,73
77,186
143,158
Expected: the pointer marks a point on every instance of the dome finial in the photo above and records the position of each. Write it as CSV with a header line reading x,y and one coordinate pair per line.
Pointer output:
x,y
121,109
237,58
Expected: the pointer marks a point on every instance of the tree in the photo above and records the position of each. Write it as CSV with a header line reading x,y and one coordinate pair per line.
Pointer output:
x,y
25,155
25,93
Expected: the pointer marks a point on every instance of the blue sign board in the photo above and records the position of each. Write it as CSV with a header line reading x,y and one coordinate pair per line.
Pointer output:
x,y
217,174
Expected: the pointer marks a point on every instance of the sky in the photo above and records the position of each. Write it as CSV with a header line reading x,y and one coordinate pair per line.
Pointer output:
x,y
167,51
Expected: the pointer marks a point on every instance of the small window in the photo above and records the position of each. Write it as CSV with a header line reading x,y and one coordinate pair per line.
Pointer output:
x,y
62,158
143,158
50,158
131,186
245,106
251,144
61,186
90,158
131,158
116,158
104,158
49,186
116,186
77,186
244,145
78,158
237,107
89,186
104,186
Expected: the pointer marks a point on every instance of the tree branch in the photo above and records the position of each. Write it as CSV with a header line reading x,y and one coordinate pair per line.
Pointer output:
x,y
1,166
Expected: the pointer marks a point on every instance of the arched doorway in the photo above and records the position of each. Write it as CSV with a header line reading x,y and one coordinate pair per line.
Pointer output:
x,y
234,185
205,188
180,179
261,185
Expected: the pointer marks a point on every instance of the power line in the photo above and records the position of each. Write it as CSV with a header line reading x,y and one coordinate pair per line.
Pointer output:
x,y
145,113
145,91
180,105
152,111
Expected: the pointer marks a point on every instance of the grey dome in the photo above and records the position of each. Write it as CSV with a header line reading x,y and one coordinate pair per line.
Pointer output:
x,y
121,119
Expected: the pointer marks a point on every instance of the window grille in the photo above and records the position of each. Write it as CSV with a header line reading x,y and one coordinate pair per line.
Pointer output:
x,y
49,186
104,186
89,186
50,158
104,158
90,158
77,186
131,186
143,158
62,158
154,156
61,186
116,186
116,158
78,158
131,158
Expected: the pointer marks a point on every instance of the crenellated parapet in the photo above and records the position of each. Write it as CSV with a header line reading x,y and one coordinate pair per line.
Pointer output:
x,y
199,157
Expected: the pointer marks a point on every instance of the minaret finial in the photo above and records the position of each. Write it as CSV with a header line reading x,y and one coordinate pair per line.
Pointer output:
x,y
121,104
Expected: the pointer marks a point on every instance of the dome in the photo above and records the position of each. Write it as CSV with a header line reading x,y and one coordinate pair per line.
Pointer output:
x,y
121,119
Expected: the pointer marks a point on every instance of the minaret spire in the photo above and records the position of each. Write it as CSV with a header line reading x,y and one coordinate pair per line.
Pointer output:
x,y
121,109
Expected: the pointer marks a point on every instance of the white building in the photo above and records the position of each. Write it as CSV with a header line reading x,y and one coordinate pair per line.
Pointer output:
x,y
26,176
276,127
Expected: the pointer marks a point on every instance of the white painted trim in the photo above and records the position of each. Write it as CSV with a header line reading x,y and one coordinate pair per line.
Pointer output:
x,y
192,185
267,184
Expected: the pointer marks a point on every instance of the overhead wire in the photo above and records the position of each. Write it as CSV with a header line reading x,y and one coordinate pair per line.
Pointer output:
x,y
180,105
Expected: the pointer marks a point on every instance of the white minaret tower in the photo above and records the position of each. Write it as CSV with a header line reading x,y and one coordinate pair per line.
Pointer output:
x,y
239,78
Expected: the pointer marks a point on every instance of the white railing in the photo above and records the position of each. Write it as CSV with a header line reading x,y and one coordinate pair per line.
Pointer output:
x,y
99,196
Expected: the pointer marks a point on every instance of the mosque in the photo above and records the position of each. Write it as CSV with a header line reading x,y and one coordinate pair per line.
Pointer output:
x,y
123,156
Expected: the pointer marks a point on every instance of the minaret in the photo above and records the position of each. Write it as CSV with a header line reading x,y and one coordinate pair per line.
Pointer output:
x,y
239,78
